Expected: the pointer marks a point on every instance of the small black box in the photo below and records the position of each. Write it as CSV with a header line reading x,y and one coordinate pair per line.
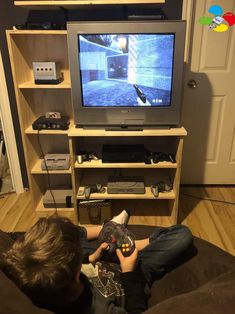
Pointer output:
x,y
123,153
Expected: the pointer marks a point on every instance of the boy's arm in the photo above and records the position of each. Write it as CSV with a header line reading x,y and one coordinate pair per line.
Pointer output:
x,y
135,299
94,257
133,283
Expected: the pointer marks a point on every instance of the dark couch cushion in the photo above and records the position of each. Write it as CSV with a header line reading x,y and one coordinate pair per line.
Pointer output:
x,y
208,263
5,242
215,297
13,301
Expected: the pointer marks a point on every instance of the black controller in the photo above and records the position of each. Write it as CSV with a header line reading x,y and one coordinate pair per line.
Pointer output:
x,y
159,156
93,188
161,186
117,237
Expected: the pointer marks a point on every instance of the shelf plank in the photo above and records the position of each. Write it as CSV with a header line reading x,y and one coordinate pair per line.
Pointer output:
x,y
148,195
76,3
40,208
30,84
36,32
37,169
73,132
99,164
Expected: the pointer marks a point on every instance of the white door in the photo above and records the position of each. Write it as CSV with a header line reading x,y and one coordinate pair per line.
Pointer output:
x,y
209,109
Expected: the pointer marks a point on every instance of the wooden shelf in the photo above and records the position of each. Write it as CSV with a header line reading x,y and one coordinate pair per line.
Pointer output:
x,y
37,169
30,130
74,3
28,85
76,132
36,32
148,195
99,164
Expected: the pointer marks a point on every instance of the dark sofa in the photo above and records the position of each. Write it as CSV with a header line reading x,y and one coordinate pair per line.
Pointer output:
x,y
205,283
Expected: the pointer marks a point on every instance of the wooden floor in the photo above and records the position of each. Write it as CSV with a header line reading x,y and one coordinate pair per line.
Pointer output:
x,y
209,220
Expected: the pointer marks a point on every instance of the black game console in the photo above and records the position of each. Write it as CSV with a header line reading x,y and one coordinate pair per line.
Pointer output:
x,y
44,123
123,153
117,237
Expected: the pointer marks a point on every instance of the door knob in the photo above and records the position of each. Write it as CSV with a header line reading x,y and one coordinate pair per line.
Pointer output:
x,y
192,84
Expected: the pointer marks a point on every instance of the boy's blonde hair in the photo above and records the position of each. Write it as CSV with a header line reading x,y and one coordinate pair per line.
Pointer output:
x,y
44,262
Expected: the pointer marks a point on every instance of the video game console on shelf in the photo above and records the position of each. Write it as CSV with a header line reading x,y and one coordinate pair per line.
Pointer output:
x,y
161,186
118,237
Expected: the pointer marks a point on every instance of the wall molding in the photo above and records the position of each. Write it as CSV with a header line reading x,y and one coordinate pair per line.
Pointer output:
x,y
9,134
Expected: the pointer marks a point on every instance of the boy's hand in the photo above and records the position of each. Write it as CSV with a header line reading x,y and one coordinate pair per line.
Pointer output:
x,y
96,256
127,263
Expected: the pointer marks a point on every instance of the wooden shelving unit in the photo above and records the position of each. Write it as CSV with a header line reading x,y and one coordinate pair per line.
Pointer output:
x,y
34,100
96,171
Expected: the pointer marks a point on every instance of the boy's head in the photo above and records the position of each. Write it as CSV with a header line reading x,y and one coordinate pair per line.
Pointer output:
x,y
46,261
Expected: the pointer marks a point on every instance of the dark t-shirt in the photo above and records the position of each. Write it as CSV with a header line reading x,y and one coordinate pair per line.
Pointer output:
x,y
106,290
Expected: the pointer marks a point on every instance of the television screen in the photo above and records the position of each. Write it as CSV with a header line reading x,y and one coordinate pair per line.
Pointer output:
x,y
126,74
128,70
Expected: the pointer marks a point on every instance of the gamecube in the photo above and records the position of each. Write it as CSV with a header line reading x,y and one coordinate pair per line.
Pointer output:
x,y
125,185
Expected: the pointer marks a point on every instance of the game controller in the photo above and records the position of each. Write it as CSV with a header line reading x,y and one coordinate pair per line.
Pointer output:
x,y
159,156
161,186
86,156
93,188
118,237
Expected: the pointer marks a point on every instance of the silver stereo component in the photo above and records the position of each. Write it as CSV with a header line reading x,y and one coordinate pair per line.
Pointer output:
x,y
56,162
125,185
58,198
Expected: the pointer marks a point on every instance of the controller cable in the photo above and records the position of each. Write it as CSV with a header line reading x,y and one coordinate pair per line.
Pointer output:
x,y
47,172
207,199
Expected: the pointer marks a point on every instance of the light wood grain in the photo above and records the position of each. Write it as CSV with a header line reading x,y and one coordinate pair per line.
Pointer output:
x,y
99,164
211,221
31,84
73,131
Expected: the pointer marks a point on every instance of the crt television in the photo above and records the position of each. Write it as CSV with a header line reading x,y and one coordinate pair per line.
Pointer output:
x,y
126,74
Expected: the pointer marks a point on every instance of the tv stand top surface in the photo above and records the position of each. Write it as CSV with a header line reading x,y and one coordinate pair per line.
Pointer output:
x,y
101,131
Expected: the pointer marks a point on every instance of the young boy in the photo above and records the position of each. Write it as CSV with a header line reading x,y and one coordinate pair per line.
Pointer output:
x,y
46,263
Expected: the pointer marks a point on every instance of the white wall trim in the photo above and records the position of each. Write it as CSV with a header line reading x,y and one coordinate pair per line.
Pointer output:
x,y
9,134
